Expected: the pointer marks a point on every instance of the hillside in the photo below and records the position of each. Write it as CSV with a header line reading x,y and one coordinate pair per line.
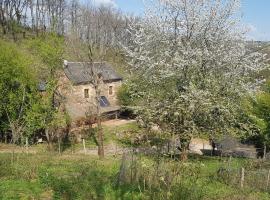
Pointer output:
x,y
261,47
48,51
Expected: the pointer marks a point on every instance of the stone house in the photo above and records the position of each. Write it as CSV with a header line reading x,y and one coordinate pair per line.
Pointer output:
x,y
78,94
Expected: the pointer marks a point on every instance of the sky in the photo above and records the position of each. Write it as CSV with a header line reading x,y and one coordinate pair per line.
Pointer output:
x,y
256,14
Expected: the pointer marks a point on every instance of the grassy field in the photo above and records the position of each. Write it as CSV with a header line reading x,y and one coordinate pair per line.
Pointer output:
x,y
49,176
40,174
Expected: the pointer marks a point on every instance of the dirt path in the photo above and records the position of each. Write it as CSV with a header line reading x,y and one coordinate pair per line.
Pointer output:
x,y
117,122
109,149
9,148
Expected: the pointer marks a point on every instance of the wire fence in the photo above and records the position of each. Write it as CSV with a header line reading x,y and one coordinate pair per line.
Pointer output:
x,y
165,173
253,179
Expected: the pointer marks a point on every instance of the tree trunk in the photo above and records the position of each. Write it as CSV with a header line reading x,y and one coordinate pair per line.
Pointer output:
x,y
59,145
184,146
264,151
184,154
37,17
50,145
100,131
100,140
32,15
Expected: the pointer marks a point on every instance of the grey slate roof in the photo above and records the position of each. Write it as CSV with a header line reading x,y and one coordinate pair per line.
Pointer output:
x,y
80,73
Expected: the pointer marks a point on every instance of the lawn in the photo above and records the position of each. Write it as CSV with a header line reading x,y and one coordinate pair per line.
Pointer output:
x,y
50,176
40,174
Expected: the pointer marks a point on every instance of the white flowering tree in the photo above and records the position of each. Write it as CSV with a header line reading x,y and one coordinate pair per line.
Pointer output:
x,y
194,64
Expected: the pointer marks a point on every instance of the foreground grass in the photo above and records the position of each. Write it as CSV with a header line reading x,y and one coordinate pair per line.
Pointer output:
x,y
56,177
39,174
49,176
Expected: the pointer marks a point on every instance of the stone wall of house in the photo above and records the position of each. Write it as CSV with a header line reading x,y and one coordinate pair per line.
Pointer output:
x,y
74,96
113,96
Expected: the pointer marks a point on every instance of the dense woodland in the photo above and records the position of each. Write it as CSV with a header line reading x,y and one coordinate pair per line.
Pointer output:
x,y
189,72
103,25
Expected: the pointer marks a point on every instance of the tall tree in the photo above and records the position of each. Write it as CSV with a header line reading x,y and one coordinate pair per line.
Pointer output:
x,y
93,60
192,54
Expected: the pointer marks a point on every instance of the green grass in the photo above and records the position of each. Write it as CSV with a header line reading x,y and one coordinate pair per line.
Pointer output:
x,y
110,135
49,176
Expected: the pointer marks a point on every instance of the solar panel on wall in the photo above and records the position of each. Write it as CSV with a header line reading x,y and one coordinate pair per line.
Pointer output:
x,y
104,102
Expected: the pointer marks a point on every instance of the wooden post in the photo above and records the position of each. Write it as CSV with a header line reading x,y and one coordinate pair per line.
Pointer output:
x,y
72,144
174,146
268,179
230,161
264,152
168,147
26,144
84,149
131,167
144,184
242,177
59,146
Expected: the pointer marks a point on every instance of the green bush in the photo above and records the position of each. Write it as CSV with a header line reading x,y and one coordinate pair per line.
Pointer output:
x,y
124,95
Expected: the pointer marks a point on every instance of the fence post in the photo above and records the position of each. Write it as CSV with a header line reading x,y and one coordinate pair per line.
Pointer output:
x,y
84,146
229,162
242,177
268,178
27,144
264,152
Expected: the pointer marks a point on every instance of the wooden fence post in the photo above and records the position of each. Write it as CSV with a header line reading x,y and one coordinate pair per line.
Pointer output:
x,y
84,149
264,152
242,177
26,144
59,146
230,161
268,178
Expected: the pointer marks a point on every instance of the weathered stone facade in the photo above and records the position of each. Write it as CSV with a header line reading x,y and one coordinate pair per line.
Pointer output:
x,y
80,99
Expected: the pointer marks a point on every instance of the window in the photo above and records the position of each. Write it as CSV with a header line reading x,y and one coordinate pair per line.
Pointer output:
x,y
86,93
110,90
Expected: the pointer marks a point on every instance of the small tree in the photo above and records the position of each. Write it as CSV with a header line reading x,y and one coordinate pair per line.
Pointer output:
x,y
44,115
258,110
91,68
17,89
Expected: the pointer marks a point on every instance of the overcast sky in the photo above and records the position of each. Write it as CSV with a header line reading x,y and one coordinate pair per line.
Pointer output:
x,y
256,14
